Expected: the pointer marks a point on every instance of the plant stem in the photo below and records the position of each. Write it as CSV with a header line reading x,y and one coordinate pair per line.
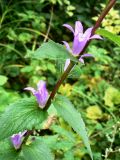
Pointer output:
x,y
60,81
49,27
65,74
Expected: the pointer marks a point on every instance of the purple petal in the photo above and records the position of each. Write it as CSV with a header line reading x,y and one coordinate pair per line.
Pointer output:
x,y
23,133
87,33
96,36
41,85
30,89
39,99
81,60
42,94
69,27
78,45
17,139
78,28
67,46
66,64
87,55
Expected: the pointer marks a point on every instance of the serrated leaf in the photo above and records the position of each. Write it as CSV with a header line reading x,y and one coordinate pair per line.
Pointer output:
x,y
52,50
21,115
109,35
65,108
37,151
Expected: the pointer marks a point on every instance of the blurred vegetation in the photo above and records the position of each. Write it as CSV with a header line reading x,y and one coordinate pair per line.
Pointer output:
x,y
94,88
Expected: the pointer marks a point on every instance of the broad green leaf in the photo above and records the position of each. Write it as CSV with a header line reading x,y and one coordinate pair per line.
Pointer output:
x,y
21,115
65,108
7,150
52,50
109,35
37,150
3,80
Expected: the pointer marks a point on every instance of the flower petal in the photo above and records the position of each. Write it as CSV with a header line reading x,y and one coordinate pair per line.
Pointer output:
x,y
78,28
81,59
78,45
67,46
30,89
42,94
69,27
96,36
87,33
87,55
17,139
23,133
41,85
66,64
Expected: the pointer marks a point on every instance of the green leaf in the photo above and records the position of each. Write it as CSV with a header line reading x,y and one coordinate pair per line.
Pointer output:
x,y
3,80
7,150
109,35
63,132
112,97
50,140
65,108
52,50
57,142
37,151
21,115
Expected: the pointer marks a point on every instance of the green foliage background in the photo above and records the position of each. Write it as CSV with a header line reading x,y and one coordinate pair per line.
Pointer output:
x,y
94,88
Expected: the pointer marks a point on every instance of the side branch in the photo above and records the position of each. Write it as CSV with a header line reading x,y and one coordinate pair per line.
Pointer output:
x,y
65,74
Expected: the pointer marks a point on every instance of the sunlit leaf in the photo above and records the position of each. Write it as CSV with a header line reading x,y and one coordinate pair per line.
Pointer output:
x,y
65,108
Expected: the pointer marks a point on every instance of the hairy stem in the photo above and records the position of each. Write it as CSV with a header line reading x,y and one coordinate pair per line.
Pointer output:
x,y
65,74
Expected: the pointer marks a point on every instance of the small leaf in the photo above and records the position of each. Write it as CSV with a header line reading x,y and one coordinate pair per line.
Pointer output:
x,y
94,112
109,35
112,97
3,80
65,108
37,151
52,50
21,115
